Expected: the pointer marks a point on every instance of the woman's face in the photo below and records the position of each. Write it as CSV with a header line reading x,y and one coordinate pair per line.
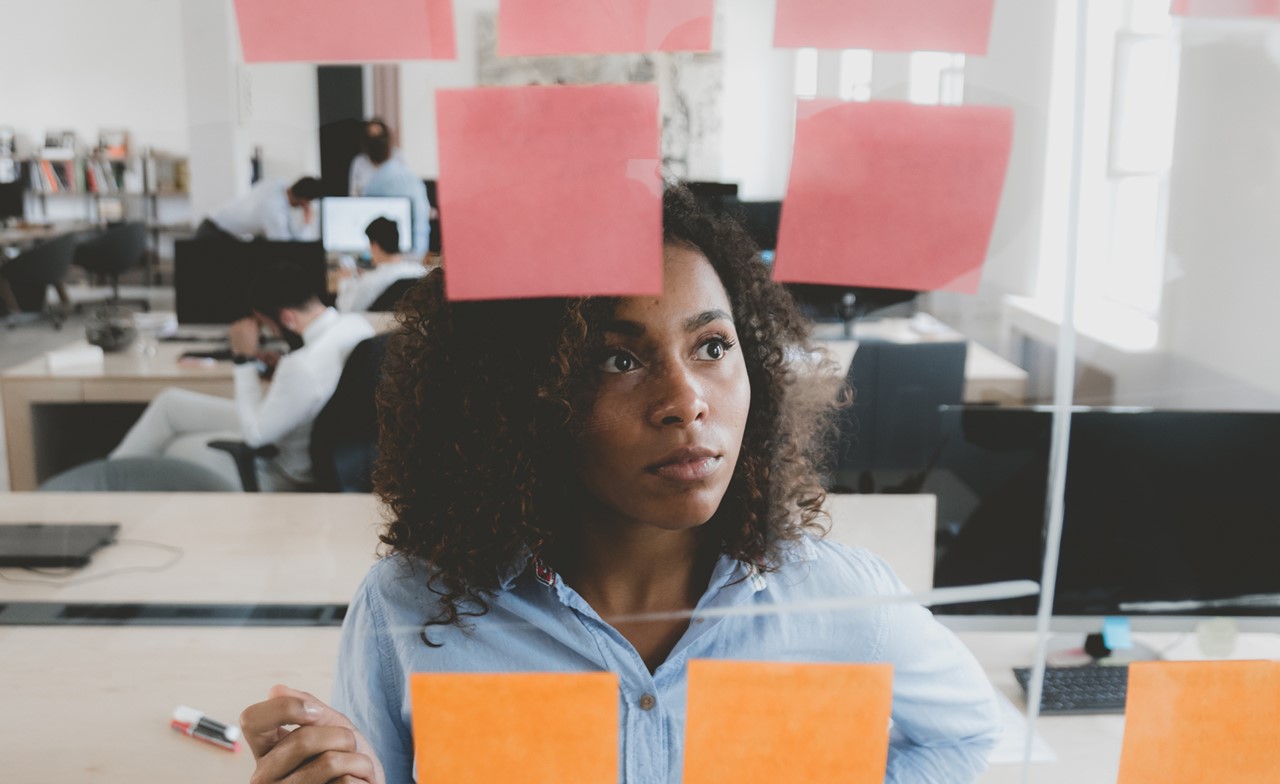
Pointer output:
x,y
661,441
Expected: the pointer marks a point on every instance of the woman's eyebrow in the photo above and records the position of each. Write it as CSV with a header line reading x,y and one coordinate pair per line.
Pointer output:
x,y
706,317
632,329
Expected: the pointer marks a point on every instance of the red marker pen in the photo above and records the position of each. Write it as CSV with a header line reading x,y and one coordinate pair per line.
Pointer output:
x,y
190,721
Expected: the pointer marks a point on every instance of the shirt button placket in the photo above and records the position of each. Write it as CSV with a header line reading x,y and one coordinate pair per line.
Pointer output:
x,y
647,702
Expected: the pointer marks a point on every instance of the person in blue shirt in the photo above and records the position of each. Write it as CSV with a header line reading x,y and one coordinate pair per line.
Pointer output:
x,y
392,177
555,468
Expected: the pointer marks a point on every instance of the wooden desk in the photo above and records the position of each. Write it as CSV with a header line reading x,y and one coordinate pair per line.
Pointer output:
x,y
294,548
988,377
123,377
93,704
24,236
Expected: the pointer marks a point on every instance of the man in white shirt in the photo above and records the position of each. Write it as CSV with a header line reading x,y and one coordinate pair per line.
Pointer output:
x,y
265,211
180,423
389,266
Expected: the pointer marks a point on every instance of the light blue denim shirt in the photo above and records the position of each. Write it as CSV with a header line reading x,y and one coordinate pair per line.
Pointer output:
x,y
394,178
945,718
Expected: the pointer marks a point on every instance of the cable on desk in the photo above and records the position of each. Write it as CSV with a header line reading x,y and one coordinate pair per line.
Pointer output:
x,y
68,577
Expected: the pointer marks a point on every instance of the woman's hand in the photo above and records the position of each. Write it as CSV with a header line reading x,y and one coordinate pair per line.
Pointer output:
x,y
325,746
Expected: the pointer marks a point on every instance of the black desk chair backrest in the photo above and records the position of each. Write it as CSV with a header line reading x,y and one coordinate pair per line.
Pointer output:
x,y
32,273
388,299
113,251
344,438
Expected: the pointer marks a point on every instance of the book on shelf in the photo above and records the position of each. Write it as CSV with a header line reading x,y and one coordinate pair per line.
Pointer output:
x,y
59,146
113,144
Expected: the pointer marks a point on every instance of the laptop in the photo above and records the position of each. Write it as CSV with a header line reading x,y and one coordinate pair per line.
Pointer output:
x,y
49,545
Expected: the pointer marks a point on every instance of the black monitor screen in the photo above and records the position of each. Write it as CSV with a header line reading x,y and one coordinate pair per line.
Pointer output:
x,y
11,200
211,277
1160,507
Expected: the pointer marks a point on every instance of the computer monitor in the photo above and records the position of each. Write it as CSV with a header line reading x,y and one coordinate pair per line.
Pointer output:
x,y
12,200
1168,515
211,277
343,220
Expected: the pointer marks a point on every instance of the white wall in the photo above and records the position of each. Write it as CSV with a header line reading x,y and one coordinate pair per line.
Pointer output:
x,y
88,65
1224,237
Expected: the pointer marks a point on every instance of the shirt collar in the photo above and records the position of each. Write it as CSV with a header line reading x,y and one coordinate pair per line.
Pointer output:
x,y
726,570
319,325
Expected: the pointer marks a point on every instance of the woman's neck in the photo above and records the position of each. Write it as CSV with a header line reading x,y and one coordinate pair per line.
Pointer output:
x,y
628,569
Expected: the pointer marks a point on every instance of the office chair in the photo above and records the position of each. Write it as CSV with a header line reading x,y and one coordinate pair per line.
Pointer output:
x,y
111,253
31,274
138,475
344,436
894,427
388,299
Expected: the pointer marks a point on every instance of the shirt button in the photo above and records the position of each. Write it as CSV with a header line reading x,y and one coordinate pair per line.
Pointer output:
x,y
647,702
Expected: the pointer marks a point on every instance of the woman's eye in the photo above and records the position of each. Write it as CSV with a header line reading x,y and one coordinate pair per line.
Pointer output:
x,y
619,362
713,349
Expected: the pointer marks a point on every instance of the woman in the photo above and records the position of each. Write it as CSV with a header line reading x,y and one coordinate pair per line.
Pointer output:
x,y
556,467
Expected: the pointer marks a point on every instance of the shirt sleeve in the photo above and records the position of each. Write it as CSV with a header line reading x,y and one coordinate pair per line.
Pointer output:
x,y
946,719
277,220
368,687
292,400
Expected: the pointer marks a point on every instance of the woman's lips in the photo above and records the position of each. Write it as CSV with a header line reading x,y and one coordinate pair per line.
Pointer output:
x,y
689,470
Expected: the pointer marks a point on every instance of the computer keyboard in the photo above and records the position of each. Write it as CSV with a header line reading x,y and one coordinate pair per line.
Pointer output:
x,y
1093,688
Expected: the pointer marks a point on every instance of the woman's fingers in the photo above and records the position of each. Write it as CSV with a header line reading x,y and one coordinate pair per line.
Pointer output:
x,y
300,746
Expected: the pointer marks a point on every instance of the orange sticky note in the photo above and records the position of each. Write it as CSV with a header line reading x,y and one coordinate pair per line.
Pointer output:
x,y
886,25
341,31
551,191
892,195
762,723
1194,722
535,728
1225,8
536,27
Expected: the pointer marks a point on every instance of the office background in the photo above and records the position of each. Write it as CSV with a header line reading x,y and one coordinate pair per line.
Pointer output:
x,y
1161,209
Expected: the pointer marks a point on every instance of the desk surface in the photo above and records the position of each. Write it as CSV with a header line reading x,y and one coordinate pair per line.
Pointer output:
x,y
19,236
130,364
94,703
237,548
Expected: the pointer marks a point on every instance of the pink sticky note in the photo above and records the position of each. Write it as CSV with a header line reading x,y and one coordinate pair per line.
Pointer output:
x,y
886,25
550,191
892,195
1225,8
337,31
536,27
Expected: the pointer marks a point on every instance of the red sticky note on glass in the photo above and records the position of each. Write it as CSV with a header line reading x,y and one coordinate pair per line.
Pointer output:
x,y
885,25
550,191
761,723
1225,8
340,31
1192,722
892,195
515,727
536,27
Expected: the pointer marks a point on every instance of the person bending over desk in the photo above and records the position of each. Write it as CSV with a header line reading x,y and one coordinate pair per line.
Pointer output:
x,y
553,467
266,211
180,423
358,293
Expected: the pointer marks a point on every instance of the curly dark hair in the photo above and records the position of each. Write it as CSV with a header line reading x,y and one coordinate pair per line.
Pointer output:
x,y
479,400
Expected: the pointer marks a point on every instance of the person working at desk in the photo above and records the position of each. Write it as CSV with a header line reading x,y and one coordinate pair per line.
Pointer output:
x,y
265,211
393,178
180,423
358,293
555,468
362,168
